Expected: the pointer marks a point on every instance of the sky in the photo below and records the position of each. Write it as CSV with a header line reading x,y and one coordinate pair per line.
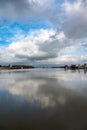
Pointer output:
x,y
38,32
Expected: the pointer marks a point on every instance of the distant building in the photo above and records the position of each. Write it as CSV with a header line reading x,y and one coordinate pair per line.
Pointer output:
x,y
73,67
66,67
85,66
79,66
10,66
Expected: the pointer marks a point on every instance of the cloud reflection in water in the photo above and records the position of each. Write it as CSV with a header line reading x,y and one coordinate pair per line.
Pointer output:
x,y
52,99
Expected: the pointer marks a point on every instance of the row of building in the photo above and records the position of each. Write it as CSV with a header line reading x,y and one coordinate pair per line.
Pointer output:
x,y
76,66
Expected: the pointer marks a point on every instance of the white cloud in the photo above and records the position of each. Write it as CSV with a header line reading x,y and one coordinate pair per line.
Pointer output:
x,y
72,7
44,45
37,46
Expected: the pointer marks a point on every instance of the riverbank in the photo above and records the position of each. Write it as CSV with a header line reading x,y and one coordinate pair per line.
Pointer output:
x,y
66,67
16,67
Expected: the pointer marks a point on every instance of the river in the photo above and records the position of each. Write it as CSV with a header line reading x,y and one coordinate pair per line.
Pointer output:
x,y
43,99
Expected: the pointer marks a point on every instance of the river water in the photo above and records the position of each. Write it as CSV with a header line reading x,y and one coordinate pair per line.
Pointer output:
x,y
43,99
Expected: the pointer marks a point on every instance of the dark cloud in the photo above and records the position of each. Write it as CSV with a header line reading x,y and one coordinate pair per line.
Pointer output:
x,y
14,9
35,58
75,25
24,9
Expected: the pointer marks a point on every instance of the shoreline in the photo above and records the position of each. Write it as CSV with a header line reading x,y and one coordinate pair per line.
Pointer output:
x,y
3,68
8,68
66,67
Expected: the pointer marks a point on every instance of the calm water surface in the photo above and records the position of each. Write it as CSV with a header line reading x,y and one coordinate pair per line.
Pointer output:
x,y
43,99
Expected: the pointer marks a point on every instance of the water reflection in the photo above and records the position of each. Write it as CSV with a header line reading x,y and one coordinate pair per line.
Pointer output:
x,y
43,100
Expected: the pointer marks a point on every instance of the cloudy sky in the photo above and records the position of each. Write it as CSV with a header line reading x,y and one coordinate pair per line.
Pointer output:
x,y
43,31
